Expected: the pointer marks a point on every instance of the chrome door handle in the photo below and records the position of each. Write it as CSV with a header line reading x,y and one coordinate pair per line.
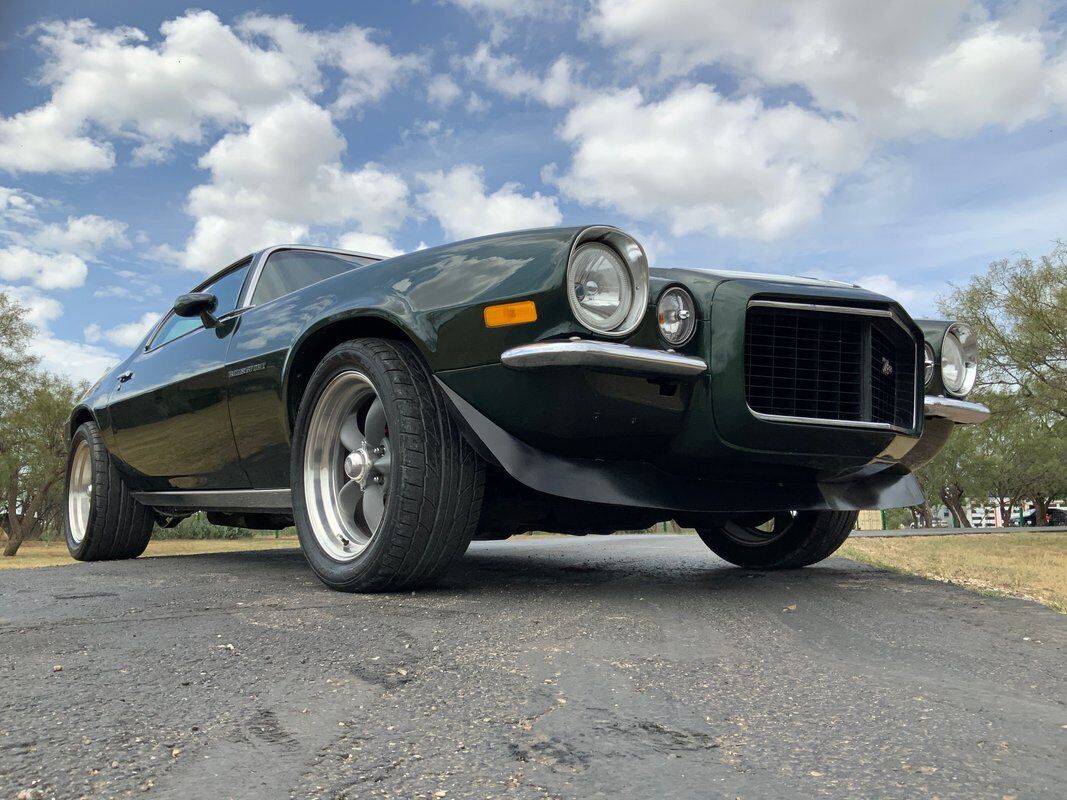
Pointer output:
x,y
125,376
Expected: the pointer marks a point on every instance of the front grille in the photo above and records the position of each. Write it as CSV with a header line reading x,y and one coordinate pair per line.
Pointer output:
x,y
811,364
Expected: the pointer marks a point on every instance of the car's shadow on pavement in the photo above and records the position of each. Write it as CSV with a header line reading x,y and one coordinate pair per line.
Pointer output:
x,y
653,564
667,569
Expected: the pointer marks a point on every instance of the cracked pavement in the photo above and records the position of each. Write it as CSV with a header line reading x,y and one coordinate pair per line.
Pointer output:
x,y
629,666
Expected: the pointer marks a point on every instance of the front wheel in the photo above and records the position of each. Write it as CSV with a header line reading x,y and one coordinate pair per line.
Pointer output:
x,y
102,522
784,540
386,492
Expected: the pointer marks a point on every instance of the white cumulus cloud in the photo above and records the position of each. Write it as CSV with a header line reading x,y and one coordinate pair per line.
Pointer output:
x,y
117,84
372,243
919,300
442,90
44,270
85,236
899,66
459,201
704,162
283,174
128,334
503,73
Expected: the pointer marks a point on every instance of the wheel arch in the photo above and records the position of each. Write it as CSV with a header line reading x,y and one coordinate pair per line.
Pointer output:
x,y
78,417
309,351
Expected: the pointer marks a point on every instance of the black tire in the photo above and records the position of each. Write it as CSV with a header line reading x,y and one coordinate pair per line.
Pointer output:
x,y
796,540
435,485
117,526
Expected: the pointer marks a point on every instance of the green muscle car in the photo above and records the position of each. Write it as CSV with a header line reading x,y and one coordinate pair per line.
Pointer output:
x,y
394,409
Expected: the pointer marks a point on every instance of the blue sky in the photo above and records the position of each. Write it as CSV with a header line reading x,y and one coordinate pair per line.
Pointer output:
x,y
143,145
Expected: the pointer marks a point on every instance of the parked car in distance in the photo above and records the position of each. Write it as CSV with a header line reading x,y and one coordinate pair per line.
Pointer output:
x,y
1054,516
396,408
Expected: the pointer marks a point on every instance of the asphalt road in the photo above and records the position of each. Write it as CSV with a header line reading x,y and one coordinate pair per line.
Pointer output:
x,y
630,667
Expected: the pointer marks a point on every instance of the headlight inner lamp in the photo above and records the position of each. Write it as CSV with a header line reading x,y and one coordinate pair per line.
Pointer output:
x,y
959,359
676,316
607,281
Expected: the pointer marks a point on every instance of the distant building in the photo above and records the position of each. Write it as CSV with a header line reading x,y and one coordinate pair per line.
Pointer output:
x,y
989,515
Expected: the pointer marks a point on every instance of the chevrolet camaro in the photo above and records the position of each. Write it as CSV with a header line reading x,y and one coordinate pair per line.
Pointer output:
x,y
394,409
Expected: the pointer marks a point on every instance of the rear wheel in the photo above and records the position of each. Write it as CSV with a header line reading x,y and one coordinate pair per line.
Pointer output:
x,y
103,521
386,492
783,540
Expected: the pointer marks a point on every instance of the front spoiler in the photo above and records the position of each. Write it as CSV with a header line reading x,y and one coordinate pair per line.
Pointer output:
x,y
638,484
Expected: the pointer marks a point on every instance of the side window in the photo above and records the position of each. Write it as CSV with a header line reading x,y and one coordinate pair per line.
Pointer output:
x,y
174,327
227,289
289,270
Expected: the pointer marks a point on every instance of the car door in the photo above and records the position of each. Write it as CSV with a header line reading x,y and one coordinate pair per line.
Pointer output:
x,y
278,311
169,408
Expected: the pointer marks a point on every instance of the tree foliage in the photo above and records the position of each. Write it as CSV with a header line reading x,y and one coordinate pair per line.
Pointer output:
x,y
34,406
1018,310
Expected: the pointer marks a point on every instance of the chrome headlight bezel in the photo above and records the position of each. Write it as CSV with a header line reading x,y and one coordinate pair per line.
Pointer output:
x,y
636,262
959,337
929,362
686,314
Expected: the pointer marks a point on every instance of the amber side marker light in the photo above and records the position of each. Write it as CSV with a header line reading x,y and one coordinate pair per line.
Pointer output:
x,y
510,314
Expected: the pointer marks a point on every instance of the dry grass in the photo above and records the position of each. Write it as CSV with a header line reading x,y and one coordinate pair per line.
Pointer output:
x,y
54,554
1030,565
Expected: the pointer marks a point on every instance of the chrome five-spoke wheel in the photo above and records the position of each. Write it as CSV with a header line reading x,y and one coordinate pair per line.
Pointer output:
x,y
102,520
385,491
79,491
347,464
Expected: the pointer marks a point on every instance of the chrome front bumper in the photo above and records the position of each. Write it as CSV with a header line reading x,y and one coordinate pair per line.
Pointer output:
x,y
662,363
959,411
604,356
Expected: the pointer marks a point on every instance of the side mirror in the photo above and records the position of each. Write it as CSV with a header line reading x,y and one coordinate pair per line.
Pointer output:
x,y
198,304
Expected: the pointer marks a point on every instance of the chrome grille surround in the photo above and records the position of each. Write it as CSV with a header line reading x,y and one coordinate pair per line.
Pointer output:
x,y
832,365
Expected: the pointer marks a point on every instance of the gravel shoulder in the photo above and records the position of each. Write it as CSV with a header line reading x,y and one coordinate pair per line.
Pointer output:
x,y
621,667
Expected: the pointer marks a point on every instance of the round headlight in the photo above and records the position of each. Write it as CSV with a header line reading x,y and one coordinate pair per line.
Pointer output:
x,y
928,362
676,315
602,291
959,359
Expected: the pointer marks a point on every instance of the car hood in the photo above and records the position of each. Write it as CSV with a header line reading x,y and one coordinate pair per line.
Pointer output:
x,y
718,275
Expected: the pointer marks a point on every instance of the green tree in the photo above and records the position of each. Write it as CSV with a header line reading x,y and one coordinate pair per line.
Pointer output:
x,y
1032,460
1018,309
953,476
16,363
33,409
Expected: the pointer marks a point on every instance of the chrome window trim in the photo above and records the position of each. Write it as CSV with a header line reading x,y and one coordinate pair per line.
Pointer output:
x,y
884,313
260,259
